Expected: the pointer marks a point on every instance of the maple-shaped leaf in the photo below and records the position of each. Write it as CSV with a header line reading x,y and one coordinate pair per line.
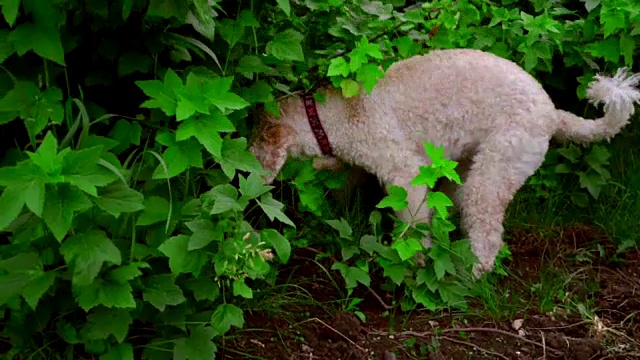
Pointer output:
x,y
42,38
102,322
162,93
111,294
181,259
62,202
352,275
161,291
178,157
198,346
279,242
236,156
217,92
86,253
225,316
273,209
206,129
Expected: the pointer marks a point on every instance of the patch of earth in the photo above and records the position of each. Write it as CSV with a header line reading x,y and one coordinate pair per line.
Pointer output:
x,y
318,330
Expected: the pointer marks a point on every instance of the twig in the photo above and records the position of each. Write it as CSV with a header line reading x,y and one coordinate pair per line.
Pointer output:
x,y
559,327
544,347
490,330
384,305
335,331
477,347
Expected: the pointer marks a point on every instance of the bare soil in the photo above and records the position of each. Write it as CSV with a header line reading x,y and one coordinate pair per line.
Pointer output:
x,y
609,291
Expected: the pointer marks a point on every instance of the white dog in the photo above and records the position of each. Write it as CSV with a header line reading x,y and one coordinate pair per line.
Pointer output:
x,y
486,111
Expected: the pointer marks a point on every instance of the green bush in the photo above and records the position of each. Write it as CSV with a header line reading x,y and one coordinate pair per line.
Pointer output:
x,y
131,211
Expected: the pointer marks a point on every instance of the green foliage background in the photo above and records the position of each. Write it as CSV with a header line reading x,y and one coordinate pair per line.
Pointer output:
x,y
132,214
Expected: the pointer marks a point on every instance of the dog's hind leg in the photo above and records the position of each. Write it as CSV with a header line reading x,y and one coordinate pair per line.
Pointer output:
x,y
501,165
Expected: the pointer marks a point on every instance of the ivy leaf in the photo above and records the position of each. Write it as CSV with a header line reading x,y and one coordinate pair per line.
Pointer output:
x,y
338,67
61,204
439,201
198,346
279,242
441,261
103,322
368,75
612,20
342,226
609,49
181,260
10,11
285,6
395,272
235,156
203,289
161,291
86,253
253,186
11,202
118,198
273,209
206,129
352,275
426,297
225,316
178,157
43,40
162,93
407,248
6,48
225,198
350,88
107,293
156,209
204,232
286,46
396,198
217,91
240,288
123,351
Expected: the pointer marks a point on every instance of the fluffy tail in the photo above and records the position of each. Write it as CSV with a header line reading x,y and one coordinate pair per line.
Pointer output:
x,y
619,96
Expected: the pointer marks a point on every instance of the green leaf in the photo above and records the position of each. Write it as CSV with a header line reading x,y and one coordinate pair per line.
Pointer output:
x,y
161,291
426,297
108,293
206,129
156,209
178,157
428,277
286,46
350,88
253,186
181,260
225,198
395,272
441,261
11,202
352,275
132,62
86,253
168,9
407,248
338,67
612,20
368,75
126,133
279,243
342,226
285,6
6,48
10,11
24,276
235,156
439,201
371,245
118,198
216,91
396,198
204,232
43,40
61,204
231,31
203,289
123,274
162,93
225,316
627,48
122,351
273,209
198,346
103,322
242,289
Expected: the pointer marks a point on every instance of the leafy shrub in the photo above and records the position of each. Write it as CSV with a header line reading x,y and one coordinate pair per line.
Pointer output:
x,y
129,199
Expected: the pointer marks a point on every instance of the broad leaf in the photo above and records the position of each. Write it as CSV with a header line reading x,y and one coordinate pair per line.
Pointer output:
x,y
86,253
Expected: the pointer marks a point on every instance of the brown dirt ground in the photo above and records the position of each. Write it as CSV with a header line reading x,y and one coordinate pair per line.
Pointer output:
x,y
321,332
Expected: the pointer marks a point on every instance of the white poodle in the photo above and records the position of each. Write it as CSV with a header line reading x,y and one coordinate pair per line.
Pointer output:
x,y
487,112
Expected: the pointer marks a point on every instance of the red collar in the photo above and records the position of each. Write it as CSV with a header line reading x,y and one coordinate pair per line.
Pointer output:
x,y
315,124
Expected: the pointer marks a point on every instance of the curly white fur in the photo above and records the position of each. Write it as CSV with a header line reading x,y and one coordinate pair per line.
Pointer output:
x,y
486,111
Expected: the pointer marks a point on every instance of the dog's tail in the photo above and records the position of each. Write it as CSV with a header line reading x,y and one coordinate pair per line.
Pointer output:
x,y
619,96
